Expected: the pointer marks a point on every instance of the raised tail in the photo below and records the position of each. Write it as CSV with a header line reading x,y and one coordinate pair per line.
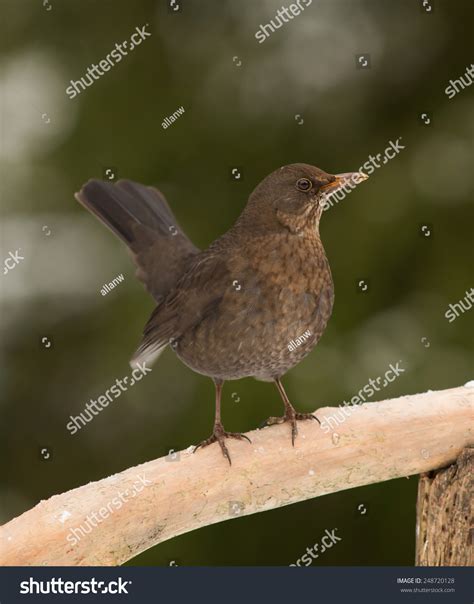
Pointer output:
x,y
141,217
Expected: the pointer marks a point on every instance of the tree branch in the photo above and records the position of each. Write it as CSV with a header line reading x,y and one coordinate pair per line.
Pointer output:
x,y
110,521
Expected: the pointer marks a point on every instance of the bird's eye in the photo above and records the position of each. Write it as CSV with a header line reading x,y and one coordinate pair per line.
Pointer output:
x,y
304,184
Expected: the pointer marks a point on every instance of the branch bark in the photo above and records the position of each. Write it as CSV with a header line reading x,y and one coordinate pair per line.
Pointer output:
x,y
379,441
444,515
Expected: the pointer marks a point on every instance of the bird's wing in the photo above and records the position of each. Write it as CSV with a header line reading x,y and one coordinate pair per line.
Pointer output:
x,y
141,217
197,294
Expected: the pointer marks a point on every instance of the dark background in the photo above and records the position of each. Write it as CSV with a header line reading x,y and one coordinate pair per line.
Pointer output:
x,y
234,116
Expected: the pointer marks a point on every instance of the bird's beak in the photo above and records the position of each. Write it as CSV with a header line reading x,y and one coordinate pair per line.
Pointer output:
x,y
351,179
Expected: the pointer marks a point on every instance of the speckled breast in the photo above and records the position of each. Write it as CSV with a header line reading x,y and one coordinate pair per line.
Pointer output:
x,y
270,317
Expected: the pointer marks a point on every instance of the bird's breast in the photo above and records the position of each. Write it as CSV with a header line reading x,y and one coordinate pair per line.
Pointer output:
x,y
273,312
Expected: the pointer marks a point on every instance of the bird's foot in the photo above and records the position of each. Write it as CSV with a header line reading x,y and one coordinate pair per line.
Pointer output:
x,y
290,416
219,435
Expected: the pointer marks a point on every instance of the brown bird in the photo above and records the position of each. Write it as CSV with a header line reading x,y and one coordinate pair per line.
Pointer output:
x,y
254,303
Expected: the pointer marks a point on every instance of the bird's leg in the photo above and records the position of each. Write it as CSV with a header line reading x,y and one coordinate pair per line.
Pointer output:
x,y
290,414
219,434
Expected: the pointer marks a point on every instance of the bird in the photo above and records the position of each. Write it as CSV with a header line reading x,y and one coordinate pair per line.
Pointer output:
x,y
240,307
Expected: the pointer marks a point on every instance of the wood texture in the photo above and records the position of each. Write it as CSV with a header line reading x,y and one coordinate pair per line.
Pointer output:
x,y
445,525
379,441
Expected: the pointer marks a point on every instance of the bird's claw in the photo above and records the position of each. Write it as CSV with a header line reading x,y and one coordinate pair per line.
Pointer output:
x,y
292,418
219,435
302,416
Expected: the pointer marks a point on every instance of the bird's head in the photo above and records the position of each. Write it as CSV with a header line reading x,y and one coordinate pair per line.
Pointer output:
x,y
295,195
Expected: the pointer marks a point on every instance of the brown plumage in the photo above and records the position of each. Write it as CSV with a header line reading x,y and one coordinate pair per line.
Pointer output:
x,y
254,303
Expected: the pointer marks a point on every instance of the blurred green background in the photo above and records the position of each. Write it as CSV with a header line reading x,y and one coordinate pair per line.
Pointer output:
x,y
240,99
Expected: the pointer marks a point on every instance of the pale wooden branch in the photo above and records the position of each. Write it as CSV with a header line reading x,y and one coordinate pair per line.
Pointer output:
x,y
444,515
379,441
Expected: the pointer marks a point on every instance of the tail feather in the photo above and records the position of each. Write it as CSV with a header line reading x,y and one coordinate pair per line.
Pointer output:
x,y
159,213
143,220
118,208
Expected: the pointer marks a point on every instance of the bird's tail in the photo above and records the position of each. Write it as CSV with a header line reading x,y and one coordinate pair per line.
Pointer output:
x,y
141,217
125,205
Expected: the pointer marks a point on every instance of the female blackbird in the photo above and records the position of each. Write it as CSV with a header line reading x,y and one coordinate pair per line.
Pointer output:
x,y
255,302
